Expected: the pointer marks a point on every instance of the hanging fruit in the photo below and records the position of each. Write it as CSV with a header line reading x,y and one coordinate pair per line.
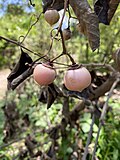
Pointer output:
x,y
77,78
66,34
52,16
44,74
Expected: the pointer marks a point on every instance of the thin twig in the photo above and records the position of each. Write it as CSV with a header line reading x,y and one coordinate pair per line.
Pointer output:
x,y
106,103
56,57
50,46
67,65
64,52
109,67
32,4
96,141
53,3
18,44
48,119
63,43
42,57
37,19
103,114
70,17
65,8
89,138
10,143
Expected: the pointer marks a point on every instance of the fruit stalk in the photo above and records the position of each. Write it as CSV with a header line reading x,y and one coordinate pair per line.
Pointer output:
x,y
65,8
65,50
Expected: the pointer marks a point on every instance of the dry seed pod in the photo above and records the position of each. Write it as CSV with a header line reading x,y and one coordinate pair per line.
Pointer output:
x,y
66,34
52,16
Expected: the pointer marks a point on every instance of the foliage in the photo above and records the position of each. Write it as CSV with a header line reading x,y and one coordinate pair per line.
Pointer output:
x,y
109,138
32,117
42,119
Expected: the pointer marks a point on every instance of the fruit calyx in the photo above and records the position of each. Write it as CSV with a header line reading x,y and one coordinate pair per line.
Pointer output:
x,y
48,65
75,66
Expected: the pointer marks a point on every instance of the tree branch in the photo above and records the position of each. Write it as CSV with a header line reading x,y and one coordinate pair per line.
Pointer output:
x,y
10,143
105,87
94,65
18,44
74,114
37,19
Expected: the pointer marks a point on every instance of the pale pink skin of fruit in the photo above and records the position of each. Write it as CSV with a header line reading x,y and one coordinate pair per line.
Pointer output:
x,y
77,79
52,16
44,74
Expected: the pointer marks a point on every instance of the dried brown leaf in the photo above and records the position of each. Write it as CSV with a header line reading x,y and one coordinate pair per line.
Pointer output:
x,y
113,4
51,95
58,5
88,20
92,27
101,8
81,27
48,94
20,71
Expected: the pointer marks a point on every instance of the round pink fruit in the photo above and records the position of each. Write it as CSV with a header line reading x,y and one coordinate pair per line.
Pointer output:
x,y
77,79
44,74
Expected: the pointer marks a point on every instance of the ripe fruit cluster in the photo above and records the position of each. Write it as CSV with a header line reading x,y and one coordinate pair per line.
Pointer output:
x,y
75,78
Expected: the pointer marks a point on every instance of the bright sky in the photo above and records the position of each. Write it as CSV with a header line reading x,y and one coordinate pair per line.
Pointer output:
x,y
4,3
